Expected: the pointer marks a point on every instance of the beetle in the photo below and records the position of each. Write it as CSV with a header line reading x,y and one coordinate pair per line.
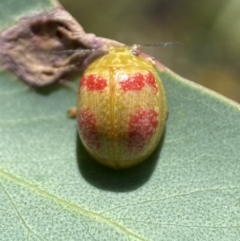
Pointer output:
x,y
121,108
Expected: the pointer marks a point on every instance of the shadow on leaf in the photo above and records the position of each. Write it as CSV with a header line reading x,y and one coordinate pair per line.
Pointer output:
x,y
124,180
47,90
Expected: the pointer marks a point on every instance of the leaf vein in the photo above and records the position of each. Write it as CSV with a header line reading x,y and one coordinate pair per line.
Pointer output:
x,y
71,206
29,230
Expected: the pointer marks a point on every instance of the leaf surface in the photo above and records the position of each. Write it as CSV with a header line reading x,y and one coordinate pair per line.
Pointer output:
x,y
51,189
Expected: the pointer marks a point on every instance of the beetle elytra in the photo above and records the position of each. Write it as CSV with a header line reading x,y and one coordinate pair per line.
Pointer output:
x,y
121,108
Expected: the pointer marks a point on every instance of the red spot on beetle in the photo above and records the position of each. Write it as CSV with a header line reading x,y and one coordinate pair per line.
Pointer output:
x,y
137,81
88,128
151,81
93,82
142,125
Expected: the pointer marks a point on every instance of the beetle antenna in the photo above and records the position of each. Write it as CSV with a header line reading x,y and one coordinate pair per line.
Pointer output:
x,y
163,44
69,51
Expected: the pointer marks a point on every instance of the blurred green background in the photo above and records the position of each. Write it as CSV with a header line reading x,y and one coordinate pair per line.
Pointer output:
x,y
208,29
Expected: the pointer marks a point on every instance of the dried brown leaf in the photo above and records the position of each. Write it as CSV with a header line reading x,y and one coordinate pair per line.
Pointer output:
x,y
45,48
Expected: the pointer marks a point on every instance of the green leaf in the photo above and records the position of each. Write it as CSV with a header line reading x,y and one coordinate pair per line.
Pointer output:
x,y
51,189
11,11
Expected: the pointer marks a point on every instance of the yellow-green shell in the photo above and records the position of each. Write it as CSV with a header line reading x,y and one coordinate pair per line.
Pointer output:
x,y
121,109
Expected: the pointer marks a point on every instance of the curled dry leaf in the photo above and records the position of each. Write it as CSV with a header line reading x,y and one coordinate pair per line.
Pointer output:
x,y
45,48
